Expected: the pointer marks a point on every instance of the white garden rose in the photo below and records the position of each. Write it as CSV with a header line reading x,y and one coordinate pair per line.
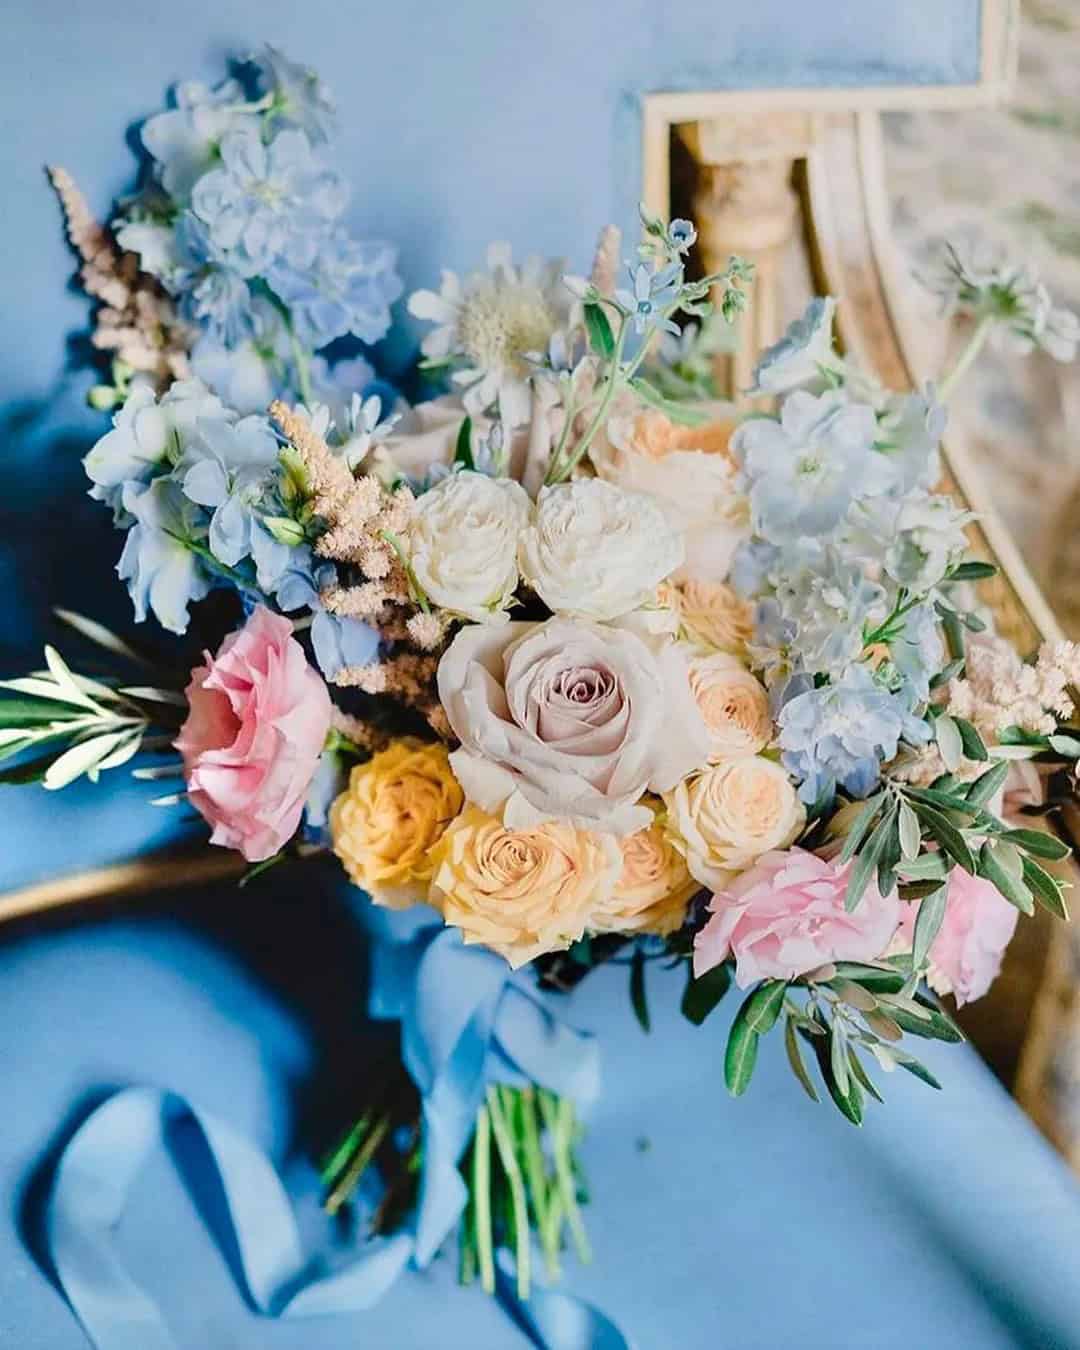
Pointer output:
x,y
689,472
569,721
463,544
594,551
724,819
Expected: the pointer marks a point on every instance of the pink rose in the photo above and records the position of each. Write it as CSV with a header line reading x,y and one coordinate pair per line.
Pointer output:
x,y
785,916
966,954
258,718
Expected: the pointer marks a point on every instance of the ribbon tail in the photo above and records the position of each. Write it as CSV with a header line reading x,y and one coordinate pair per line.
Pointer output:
x,y
554,1320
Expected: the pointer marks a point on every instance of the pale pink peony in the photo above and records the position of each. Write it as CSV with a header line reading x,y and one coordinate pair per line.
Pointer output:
x,y
979,922
258,717
785,916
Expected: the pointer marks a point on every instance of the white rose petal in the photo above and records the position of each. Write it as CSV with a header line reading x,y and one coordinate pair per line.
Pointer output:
x,y
595,551
463,544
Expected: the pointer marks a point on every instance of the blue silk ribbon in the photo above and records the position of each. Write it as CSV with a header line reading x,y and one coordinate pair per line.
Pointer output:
x,y
466,1021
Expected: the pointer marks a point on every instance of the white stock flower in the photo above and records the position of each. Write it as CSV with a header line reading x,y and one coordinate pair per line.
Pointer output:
x,y
490,323
463,544
594,551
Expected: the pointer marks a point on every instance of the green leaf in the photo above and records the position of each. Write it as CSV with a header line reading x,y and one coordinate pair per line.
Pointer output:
x,y
685,413
740,1056
877,979
795,1059
1039,842
953,630
936,1027
944,799
862,1076
638,998
914,1066
971,740
1014,889
859,827
928,924
911,891
949,741
81,758
910,834
34,712
972,571
463,454
703,993
926,867
1045,888
1065,745
764,1006
946,834
946,674
987,784
865,864
849,1103
838,1061
601,338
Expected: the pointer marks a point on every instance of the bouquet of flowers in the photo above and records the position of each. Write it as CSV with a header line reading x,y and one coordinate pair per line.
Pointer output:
x,y
569,659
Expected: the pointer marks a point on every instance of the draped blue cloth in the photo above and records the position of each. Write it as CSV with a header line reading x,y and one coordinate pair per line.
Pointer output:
x,y
466,1022
946,1222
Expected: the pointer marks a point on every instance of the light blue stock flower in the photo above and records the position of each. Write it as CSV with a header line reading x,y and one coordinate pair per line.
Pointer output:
x,y
133,450
653,292
163,573
805,469
910,428
796,361
300,99
228,468
827,604
840,734
183,141
347,287
267,203
242,375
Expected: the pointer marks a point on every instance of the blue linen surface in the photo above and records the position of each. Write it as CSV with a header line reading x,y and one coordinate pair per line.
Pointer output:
x,y
765,1223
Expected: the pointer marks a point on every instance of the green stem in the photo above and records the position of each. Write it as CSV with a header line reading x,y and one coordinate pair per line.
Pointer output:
x,y
303,370
537,1180
356,1169
399,548
558,1119
557,473
481,1189
340,1156
948,382
505,1144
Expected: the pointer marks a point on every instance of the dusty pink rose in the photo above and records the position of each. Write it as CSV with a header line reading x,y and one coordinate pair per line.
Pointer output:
x,y
965,957
785,916
257,722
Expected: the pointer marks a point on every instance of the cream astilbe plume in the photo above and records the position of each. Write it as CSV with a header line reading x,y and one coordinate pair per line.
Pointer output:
x,y
605,268
138,321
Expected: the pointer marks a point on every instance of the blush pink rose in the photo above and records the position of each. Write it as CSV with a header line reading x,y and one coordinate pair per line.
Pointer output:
x,y
979,922
257,721
785,916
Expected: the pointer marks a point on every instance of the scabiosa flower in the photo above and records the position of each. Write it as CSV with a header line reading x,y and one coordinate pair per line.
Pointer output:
x,y
299,97
652,293
805,469
267,202
797,360
491,324
839,734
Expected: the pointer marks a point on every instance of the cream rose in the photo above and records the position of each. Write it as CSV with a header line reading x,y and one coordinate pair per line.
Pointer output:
x,y
654,886
570,721
463,544
521,892
689,472
733,704
725,818
392,813
711,613
594,551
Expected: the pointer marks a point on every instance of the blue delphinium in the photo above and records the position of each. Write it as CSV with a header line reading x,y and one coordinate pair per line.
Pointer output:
x,y
802,358
839,734
161,561
804,470
346,287
298,98
828,605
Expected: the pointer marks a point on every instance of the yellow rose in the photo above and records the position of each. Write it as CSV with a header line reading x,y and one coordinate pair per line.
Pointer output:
x,y
712,613
395,809
733,704
654,886
521,892
725,818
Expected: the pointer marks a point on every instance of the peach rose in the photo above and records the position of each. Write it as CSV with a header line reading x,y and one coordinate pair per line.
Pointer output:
x,y
567,720
654,886
393,812
521,892
689,472
711,613
725,818
733,704
257,721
